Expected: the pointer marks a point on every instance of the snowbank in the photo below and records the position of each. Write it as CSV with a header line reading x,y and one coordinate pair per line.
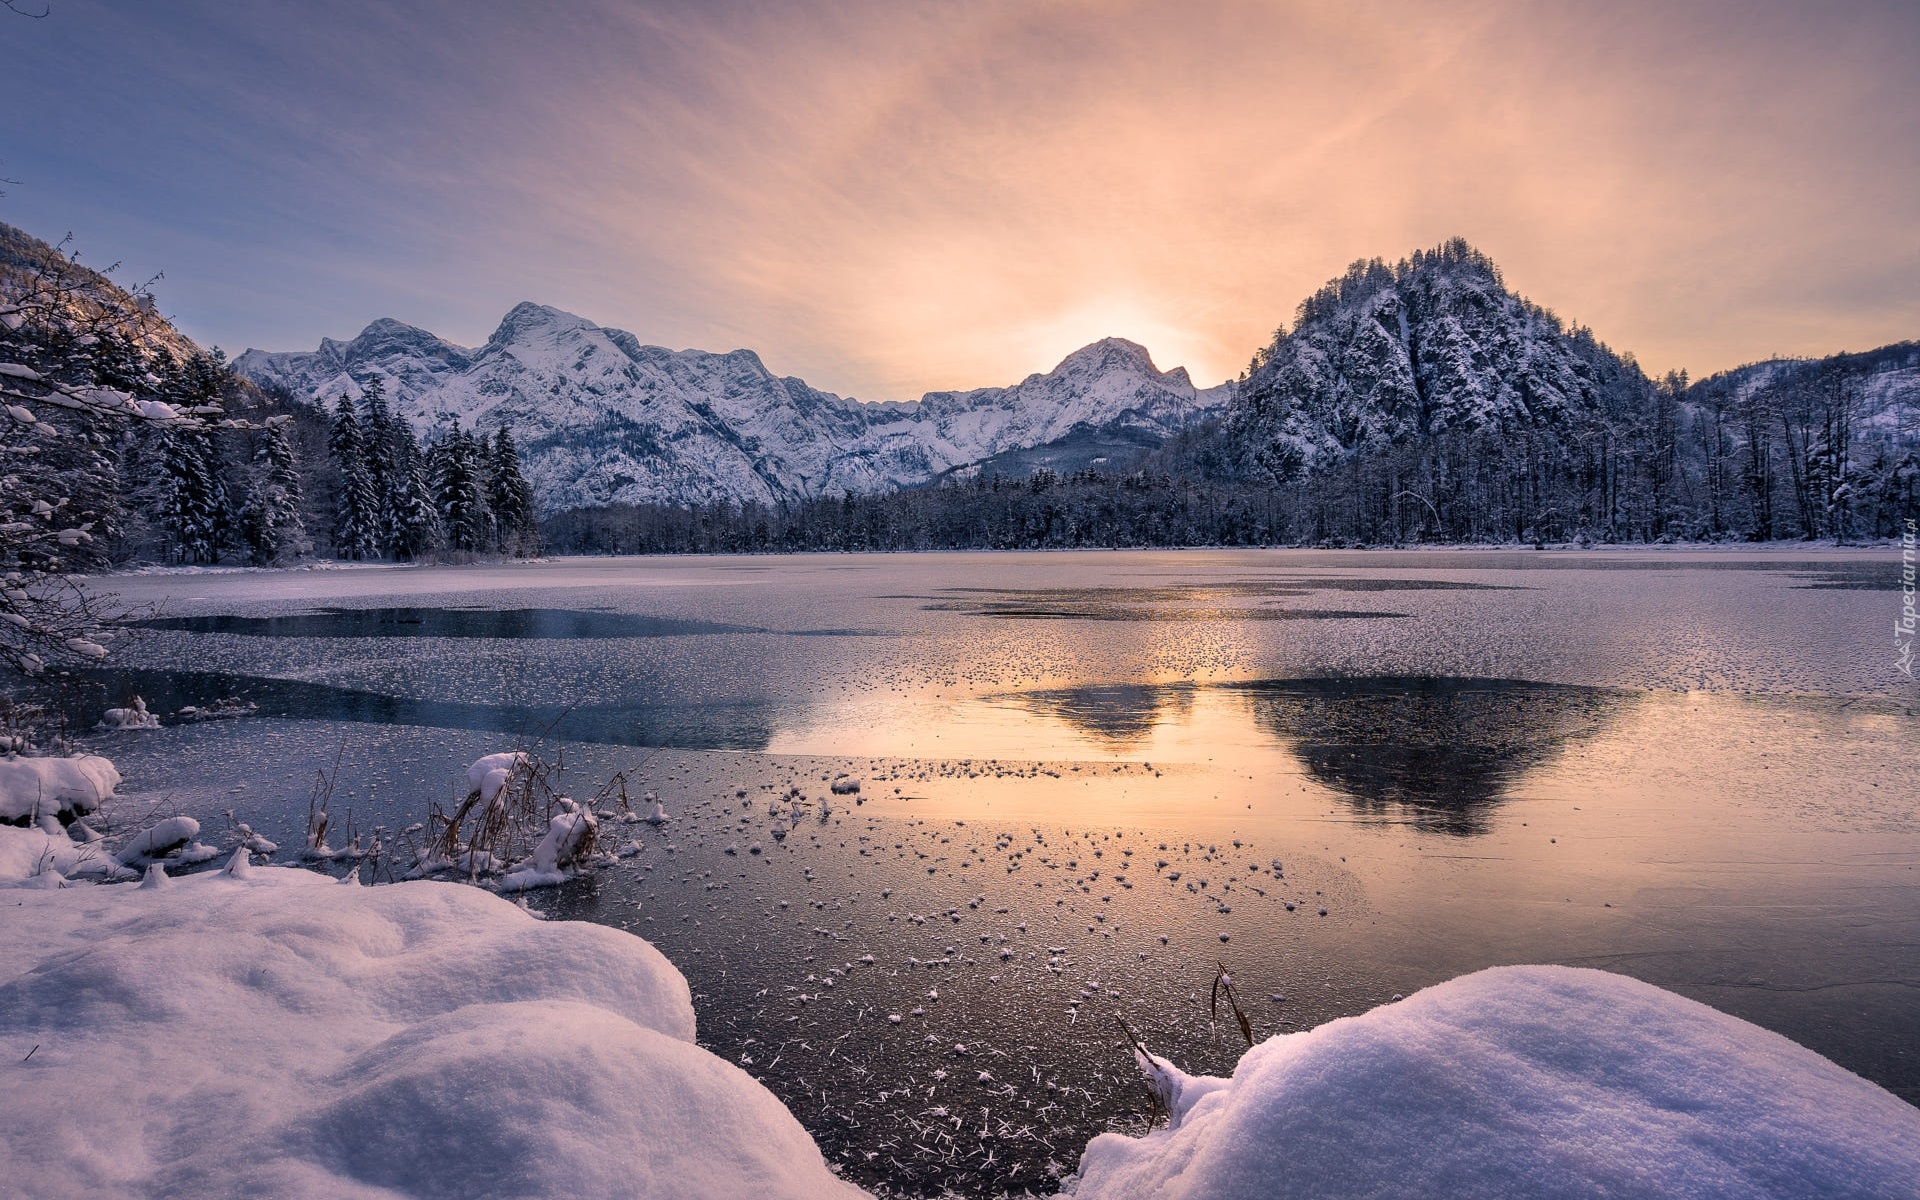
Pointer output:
x,y
281,1034
28,854
1522,1081
61,787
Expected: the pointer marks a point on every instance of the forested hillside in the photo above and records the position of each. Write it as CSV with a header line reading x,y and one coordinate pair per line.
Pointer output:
x,y
184,461
1421,401
1425,401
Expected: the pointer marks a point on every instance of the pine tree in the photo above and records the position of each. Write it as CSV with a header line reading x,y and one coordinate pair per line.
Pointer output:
x,y
455,466
355,505
515,518
413,522
270,522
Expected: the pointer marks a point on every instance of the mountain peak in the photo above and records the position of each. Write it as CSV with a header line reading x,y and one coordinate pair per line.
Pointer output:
x,y
528,317
1109,353
387,331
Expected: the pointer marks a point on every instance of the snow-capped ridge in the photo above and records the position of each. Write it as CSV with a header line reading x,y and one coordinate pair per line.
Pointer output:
x,y
602,417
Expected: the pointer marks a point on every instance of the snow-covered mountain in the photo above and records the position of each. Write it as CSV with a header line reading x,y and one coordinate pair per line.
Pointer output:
x,y
1392,353
602,418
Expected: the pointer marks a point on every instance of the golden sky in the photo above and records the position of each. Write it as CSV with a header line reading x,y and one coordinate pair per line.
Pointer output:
x,y
886,198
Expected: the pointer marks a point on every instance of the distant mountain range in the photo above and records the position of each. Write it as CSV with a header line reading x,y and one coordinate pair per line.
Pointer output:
x,y
1415,401
1429,371
603,418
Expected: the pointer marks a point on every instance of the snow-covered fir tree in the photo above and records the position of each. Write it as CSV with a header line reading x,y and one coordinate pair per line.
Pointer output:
x,y
516,518
457,468
270,521
356,507
413,521
381,434
193,509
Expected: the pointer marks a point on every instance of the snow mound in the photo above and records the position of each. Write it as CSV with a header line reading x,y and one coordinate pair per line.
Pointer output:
x,y
28,854
1522,1081
489,774
59,787
569,832
134,717
160,840
280,1034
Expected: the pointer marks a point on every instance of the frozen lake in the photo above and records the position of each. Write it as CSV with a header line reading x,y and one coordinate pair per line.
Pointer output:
x,y
1079,771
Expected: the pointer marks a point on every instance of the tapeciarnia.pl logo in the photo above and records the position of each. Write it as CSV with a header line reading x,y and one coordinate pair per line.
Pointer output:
x,y
1903,629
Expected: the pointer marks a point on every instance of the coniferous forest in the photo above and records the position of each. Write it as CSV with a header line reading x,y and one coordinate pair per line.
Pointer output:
x,y
351,482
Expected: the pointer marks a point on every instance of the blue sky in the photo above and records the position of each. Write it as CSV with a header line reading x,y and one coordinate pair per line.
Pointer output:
x,y
890,197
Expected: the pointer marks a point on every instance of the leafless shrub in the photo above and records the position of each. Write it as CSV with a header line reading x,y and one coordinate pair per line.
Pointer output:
x,y
482,835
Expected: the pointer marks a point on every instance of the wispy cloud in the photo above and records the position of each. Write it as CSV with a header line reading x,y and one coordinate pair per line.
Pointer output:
x,y
889,197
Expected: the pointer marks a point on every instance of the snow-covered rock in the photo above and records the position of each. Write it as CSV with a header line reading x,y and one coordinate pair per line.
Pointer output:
x,y
600,417
282,1035
1521,1081
63,788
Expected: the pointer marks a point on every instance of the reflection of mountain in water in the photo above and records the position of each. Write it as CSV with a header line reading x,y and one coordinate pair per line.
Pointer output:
x,y
736,725
1438,752
1119,714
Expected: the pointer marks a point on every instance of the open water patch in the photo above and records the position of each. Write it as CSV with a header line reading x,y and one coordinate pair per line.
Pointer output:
x,y
499,623
182,697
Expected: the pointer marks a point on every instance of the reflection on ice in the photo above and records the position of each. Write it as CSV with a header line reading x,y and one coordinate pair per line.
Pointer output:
x,y
1437,751
1121,715
1434,751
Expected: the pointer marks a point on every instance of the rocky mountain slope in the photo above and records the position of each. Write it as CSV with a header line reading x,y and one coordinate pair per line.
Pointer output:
x,y
602,418
1434,344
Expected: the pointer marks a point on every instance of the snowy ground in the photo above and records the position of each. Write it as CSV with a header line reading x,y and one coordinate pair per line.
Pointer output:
x,y
1522,1081
268,1031
285,1035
